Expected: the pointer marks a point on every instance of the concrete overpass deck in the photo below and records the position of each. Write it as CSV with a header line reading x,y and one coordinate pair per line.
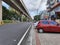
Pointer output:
x,y
18,5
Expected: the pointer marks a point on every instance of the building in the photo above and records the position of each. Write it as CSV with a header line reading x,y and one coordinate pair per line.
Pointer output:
x,y
44,15
53,7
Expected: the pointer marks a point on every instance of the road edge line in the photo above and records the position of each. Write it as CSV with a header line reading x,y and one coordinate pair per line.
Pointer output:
x,y
23,36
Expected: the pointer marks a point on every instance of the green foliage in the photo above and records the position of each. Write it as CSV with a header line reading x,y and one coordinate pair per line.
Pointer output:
x,y
5,13
9,14
24,18
7,21
37,17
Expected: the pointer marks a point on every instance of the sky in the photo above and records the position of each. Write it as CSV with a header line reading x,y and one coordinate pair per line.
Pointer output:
x,y
4,4
34,6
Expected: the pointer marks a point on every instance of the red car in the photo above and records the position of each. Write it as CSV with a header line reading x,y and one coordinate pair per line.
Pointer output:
x,y
48,26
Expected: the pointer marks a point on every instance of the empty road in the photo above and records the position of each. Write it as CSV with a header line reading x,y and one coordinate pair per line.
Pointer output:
x,y
10,34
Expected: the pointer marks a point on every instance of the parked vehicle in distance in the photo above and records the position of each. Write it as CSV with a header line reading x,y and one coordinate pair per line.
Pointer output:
x,y
47,26
35,24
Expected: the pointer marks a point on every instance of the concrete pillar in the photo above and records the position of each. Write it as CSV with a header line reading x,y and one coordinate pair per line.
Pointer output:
x,y
21,17
1,22
0,10
27,19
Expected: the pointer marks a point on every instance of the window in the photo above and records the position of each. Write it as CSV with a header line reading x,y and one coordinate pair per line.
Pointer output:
x,y
52,2
58,0
45,22
53,23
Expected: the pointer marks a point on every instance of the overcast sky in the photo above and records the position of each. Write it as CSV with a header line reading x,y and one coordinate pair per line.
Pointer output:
x,y
35,6
4,4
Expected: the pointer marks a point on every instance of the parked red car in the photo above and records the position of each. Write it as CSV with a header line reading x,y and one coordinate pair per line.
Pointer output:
x,y
48,26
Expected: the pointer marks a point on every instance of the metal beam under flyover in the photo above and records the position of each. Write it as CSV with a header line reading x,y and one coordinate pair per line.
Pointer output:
x,y
21,3
25,8
12,5
22,7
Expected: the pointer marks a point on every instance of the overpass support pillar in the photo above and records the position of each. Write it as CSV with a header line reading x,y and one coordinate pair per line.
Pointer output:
x,y
1,12
21,17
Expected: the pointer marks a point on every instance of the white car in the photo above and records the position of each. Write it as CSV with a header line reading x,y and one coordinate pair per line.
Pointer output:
x,y
35,24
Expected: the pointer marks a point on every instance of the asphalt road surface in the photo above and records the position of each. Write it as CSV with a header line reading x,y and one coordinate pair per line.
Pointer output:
x,y
10,34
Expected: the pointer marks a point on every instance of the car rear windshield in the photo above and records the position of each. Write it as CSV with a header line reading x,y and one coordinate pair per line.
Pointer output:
x,y
53,22
45,22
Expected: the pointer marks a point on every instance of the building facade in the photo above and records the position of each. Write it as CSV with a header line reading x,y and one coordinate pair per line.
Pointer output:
x,y
44,15
54,5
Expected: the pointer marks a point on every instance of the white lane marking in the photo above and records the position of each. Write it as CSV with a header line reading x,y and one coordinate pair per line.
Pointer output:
x,y
31,36
23,36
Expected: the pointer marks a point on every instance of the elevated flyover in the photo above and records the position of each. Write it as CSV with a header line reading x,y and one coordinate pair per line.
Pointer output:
x,y
18,5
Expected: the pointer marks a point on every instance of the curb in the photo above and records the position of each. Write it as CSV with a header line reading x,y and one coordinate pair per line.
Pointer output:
x,y
1,22
37,38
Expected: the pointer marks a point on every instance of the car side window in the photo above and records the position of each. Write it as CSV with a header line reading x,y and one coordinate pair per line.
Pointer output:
x,y
45,22
53,23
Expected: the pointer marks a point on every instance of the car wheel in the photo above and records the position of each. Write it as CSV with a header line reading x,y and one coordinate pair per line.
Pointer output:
x,y
40,30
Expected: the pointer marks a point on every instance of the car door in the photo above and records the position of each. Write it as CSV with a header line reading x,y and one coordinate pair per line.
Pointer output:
x,y
45,25
53,26
58,28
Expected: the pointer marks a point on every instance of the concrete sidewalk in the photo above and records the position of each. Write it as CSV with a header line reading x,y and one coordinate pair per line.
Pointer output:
x,y
32,37
49,38
43,38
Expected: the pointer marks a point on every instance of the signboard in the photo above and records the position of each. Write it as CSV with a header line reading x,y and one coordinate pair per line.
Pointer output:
x,y
46,16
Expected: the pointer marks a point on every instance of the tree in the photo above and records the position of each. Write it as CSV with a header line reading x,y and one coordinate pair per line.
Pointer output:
x,y
37,17
5,13
9,14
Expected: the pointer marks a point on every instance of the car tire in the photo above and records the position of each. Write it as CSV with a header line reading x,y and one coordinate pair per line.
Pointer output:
x,y
40,31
